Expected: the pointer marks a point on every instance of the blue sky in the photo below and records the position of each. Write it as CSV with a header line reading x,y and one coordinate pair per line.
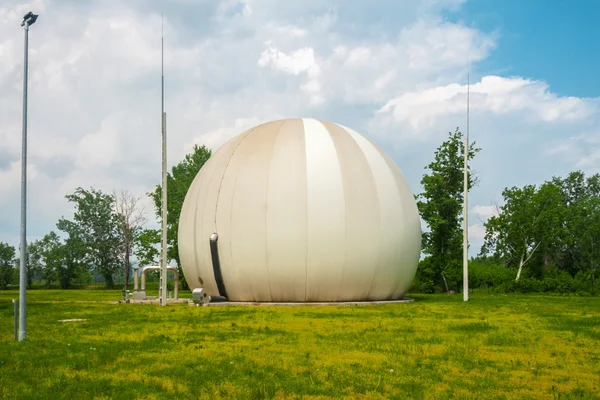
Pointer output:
x,y
395,71
555,41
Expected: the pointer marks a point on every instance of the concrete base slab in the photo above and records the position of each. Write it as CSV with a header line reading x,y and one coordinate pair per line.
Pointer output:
x,y
154,300
328,303
138,296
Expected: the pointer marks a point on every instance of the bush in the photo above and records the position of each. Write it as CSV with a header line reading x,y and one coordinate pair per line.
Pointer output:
x,y
549,284
6,275
565,283
484,275
529,285
424,280
495,277
83,276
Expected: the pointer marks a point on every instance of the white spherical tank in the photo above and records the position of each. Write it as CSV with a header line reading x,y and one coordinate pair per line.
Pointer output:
x,y
300,210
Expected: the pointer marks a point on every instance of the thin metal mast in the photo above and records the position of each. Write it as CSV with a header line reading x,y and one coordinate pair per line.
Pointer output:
x,y
466,198
23,249
163,258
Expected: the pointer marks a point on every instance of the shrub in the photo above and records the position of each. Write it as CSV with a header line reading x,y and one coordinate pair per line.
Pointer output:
x,y
6,275
424,280
565,283
486,275
529,285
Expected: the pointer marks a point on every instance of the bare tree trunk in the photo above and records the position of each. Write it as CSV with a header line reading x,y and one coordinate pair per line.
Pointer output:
x,y
524,261
127,268
445,283
520,266
131,219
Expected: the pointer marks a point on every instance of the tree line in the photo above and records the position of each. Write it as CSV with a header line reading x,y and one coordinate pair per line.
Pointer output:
x,y
98,238
106,231
541,238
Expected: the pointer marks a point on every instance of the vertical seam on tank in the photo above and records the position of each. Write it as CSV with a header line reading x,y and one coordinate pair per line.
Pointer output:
x,y
402,259
305,219
387,161
219,193
195,230
378,201
337,152
230,213
223,176
377,256
267,209
195,196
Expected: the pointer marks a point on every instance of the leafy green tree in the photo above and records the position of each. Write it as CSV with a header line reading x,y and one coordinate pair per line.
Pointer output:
x,y
95,228
589,244
34,261
52,257
179,181
146,247
529,221
440,206
579,250
72,253
7,260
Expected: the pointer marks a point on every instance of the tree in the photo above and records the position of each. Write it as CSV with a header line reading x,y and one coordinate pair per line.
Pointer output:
x,y
589,229
72,253
579,248
34,261
146,247
178,183
95,230
440,206
131,218
529,218
52,259
7,260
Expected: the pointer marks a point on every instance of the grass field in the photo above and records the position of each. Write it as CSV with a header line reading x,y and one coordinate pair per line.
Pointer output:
x,y
494,347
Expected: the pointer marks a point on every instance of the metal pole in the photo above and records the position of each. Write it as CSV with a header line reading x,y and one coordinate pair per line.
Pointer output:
x,y
135,280
466,207
163,260
16,311
143,272
176,281
23,249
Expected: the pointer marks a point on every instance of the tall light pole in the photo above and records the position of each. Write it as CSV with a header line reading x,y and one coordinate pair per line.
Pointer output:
x,y
28,20
163,259
466,204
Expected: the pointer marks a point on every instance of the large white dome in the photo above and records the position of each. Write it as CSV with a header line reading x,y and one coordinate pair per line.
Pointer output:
x,y
304,210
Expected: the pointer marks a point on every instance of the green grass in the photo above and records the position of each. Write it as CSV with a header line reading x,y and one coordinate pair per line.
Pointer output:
x,y
494,347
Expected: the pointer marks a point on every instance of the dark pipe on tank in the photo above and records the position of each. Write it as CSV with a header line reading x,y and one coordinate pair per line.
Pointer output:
x,y
214,253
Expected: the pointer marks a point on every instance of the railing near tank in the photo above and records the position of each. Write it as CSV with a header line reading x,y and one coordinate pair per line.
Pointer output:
x,y
157,268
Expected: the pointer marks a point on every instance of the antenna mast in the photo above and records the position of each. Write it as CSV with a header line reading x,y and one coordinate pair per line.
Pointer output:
x,y
163,250
466,197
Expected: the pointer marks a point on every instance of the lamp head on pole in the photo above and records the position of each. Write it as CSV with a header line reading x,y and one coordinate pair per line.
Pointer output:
x,y
29,19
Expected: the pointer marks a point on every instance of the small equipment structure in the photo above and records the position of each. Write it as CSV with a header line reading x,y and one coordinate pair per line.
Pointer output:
x,y
139,274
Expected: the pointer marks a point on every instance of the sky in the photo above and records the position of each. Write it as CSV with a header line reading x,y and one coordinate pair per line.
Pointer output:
x,y
394,71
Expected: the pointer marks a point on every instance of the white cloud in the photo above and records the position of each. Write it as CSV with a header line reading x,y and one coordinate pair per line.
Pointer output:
x,y
591,160
484,212
288,30
476,233
293,62
218,137
433,45
497,95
